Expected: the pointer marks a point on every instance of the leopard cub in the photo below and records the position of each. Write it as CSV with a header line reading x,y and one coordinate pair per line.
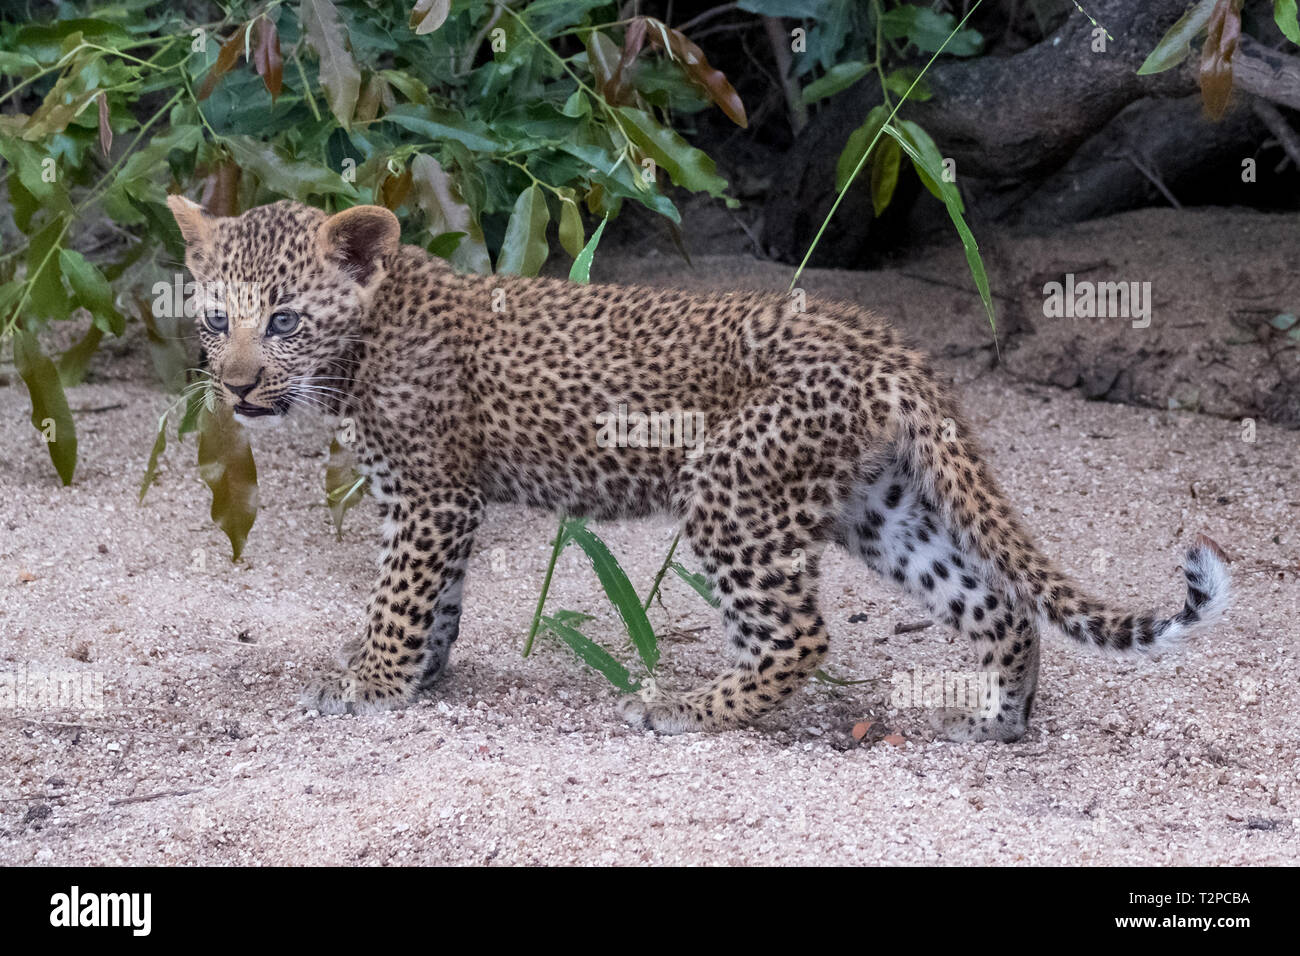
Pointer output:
x,y
815,427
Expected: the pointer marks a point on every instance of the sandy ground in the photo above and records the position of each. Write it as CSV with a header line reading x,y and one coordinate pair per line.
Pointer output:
x,y
200,754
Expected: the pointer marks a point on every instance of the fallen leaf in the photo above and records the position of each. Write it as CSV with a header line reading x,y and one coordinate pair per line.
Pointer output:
x,y
25,576
860,729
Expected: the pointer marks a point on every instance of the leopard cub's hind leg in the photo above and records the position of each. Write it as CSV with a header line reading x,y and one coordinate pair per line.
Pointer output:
x,y
891,526
758,517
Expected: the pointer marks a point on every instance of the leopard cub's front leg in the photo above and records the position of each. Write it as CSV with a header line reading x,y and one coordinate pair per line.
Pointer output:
x,y
412,612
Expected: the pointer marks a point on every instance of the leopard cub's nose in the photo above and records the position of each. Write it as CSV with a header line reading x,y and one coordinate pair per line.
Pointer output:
x,y
241,391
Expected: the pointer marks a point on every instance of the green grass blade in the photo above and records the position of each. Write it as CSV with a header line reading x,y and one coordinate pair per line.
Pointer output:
x,y
952,199
839,198
827,678
592,654
561,539
619,590
697,581
581,271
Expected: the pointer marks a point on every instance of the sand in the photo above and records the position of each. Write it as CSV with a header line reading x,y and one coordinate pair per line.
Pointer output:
x,y
200,754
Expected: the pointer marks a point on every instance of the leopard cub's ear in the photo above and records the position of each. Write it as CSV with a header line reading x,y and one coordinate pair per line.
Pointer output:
x,y
196,229
359,241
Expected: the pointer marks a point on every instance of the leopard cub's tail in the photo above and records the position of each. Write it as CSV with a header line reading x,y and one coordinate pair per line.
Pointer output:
x,y
1090,622
950,472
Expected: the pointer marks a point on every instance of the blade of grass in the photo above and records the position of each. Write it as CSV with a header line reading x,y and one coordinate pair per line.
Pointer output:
x,y
871,146
952,200
561,539
619,590
699,582
663,569
592,654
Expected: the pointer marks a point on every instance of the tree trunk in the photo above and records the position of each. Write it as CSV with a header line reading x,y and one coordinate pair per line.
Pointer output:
x,y
1012,123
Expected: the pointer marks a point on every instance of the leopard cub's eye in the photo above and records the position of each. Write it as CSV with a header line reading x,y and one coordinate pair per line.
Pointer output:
x,y
283,321
216,321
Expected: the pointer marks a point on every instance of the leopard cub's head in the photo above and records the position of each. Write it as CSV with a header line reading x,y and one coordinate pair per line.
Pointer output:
x,y
282,291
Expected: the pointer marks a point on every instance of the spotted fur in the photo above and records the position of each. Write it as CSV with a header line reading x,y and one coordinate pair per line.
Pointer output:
x,y
821,427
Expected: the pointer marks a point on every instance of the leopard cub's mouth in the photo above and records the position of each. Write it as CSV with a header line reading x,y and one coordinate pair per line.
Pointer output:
x,y
254,411
261,416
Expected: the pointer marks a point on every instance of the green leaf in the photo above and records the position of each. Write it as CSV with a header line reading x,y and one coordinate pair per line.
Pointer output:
x,y
165,333
618,589
591,654
47,299
50,413
698,582
73,362
796,9
445,244
226,466
581,271
344,487
573,617
884,175
1175,46
615,176
447,214
92,290
17,64
908,78
523,251
47,42
686,166
144,172
340,77
1283,322
929,31
196,400
413,89
438,125
839,77
151,469
297,179
928,169
571,228
29,162
1287,18
858,143
577,105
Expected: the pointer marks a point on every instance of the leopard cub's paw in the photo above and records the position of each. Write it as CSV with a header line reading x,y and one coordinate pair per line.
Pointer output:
x,y
965,726
343,692
653,709
349,654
